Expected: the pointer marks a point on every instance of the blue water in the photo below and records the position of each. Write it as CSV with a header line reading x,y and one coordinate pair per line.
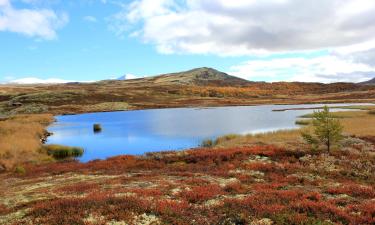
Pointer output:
x,y
138,132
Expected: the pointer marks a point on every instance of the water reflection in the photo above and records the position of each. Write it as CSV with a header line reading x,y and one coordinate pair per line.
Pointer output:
x,y
137,132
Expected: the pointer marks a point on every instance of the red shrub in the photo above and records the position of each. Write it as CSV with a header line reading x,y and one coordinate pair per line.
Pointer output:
x,y
235,188
202,193
354,190
170,207
4,210
196,181
365,212
322,210
152,192
74,210
79,188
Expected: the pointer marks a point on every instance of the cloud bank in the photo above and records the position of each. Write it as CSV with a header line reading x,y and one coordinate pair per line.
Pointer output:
x,y
343,29
39,23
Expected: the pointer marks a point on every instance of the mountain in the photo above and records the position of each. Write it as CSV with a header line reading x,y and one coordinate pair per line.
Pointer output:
x,y
369,82
200,76
127,77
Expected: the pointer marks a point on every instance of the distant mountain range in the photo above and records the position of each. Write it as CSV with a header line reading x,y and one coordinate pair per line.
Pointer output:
x,y
199,76
369,82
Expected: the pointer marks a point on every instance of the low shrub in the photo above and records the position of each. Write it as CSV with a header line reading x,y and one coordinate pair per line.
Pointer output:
x,y
79,188
202,193
354,190
63,152
208,143
3,209
225,138
20,170
303,122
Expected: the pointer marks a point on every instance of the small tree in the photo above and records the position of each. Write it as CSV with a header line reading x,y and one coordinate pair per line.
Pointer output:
x,y
327,130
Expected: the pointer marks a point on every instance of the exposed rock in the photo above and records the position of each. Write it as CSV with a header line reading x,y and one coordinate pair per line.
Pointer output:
x,y
146,219
264,221
2,168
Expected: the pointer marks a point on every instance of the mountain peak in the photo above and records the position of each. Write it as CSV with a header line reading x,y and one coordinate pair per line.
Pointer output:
x,y
369,82
202,76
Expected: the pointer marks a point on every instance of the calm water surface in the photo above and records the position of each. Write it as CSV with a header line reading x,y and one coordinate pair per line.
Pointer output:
x,y
137,132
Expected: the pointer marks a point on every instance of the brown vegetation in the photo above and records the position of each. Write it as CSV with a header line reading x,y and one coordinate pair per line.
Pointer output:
x,y
241,185
21,138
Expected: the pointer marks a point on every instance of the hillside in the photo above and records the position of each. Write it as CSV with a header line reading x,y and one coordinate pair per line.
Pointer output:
x,y
200,76
369,82
194,88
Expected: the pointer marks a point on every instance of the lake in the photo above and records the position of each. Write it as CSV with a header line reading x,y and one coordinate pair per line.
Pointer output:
x,y
141,131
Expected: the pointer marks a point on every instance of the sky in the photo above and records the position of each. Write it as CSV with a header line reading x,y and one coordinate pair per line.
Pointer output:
x,y
260,40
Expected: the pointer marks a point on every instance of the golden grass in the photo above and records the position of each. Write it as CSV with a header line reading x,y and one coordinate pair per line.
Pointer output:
x,y
282,138
20,139
359,123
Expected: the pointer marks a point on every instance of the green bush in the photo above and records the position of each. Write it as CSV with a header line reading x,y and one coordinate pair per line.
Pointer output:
x,y
303,122
207,143
225,138
20,170
63,152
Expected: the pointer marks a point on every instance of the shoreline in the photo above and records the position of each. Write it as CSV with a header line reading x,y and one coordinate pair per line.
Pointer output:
x,y
223,106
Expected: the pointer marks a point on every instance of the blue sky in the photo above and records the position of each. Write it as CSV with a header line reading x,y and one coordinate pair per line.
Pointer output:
x,y
86,40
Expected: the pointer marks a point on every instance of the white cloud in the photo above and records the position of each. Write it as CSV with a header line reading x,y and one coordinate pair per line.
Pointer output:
x,y
91,19
244,27
35,80
326,68
344,29
41,23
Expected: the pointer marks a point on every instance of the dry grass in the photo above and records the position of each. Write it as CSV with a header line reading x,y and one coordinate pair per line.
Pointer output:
x,y
359,123
283,138
20,139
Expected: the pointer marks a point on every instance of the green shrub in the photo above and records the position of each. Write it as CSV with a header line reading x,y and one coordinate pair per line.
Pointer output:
x,y
62,152
20,170
207,143
225,138
303,122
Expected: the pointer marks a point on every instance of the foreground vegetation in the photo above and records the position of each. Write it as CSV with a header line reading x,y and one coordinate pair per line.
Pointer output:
x,y
241,185
271,178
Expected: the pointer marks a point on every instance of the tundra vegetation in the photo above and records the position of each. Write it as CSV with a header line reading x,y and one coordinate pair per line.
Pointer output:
x,y
271,178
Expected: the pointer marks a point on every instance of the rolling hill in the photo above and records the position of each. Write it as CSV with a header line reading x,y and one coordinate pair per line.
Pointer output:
x,y
200,76
369,82
199,87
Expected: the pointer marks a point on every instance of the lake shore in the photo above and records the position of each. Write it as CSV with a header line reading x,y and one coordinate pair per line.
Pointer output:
x,y
273,177
253,182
